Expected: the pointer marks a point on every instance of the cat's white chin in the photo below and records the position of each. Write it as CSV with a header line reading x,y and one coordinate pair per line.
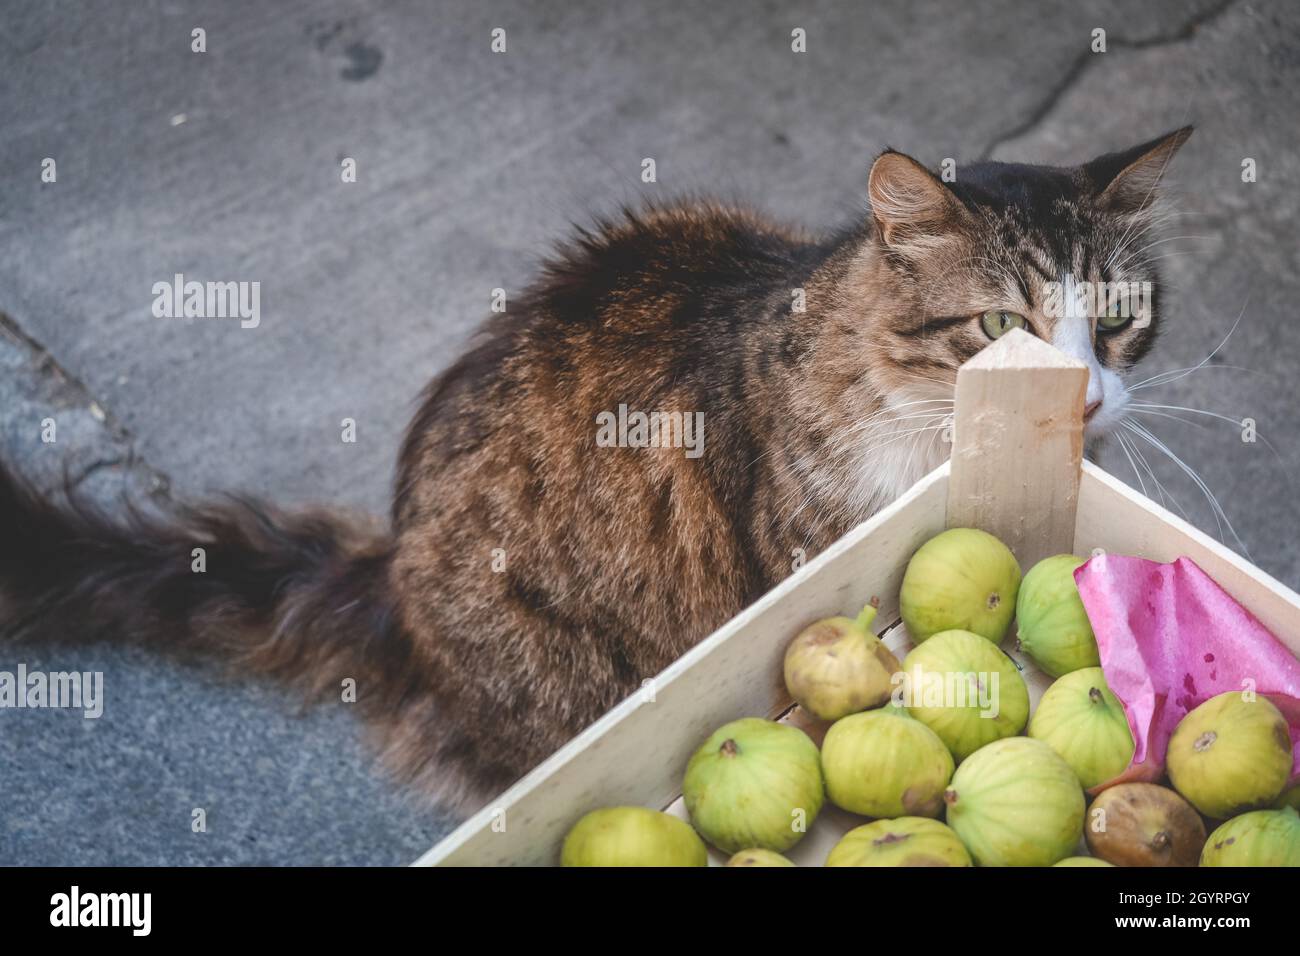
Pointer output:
x,y
1114,404
1103,423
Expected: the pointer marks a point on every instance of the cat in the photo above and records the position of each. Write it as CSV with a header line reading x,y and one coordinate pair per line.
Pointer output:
x,y
533,575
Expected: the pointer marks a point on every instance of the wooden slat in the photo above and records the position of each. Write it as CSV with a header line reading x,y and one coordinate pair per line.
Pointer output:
x,y
1017,445
637,753
1018,450
1114,517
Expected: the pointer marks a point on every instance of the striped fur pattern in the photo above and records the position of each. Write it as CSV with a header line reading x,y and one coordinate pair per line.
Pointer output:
x,y
532,576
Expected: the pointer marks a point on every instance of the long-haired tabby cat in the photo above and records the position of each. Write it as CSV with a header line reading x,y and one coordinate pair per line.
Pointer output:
x,y
532,575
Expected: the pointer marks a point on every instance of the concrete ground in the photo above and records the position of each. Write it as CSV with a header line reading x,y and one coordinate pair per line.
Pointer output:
x,y
226,165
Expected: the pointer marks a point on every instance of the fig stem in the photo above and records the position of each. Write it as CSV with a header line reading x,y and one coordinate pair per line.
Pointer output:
x,y
868,615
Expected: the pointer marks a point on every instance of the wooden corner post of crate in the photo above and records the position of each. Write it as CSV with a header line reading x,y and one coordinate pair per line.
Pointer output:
x,y
1018,445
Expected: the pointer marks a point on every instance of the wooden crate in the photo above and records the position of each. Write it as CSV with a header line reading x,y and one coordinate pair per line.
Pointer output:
x,y
1016,470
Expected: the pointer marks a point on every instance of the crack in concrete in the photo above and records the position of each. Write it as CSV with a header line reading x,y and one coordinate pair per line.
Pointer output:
x,y
11,328
77,392
1085,57
68,390
99,464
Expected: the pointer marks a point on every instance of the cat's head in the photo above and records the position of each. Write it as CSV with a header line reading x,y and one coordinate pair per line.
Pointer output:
x,y
1064,252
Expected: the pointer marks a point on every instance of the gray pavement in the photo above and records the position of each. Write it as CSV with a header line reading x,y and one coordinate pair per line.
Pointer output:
x,y
226,165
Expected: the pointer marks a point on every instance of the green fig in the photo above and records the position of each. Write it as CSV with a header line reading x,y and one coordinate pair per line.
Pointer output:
x,y
879,764
963,579
1230,754
758,857
1141,824
1082,861
1016,803
1052,625
837,667
754,783
1258,838
1084,722
632,836
966,690
907,841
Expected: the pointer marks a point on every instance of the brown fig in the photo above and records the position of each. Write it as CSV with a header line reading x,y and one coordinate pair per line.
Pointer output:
x,y
1141,824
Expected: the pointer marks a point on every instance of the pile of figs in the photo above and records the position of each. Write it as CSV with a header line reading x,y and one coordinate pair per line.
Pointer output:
x,y
942,758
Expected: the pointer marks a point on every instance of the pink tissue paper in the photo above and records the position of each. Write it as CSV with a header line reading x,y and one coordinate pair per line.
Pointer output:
x,y
1170,639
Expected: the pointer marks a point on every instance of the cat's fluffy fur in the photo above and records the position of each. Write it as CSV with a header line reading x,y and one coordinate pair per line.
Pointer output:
x,y
530,579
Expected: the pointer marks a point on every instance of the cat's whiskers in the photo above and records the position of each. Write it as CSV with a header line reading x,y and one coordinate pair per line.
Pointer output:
x,y
1147,408
1220,516
1178,254
848,449
944,386
887,415
1137,429
1139,407
1142,220
1119,266
825,477
882,414
903,433
885,412
1124,448
1164,492
876,480
1151,382
1131,451
1164,214
920,441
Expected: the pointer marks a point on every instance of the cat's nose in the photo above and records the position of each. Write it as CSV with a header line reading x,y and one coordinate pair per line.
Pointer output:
x,y
1090,409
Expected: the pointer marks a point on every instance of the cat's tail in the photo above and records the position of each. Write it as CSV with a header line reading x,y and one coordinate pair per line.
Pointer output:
x,y
302,598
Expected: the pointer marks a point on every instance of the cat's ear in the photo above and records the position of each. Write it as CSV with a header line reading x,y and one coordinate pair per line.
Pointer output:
x,y
1126,181
908,201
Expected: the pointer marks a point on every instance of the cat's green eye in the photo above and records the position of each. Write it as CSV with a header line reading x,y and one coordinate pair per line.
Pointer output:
x,y
1113,319
998,323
